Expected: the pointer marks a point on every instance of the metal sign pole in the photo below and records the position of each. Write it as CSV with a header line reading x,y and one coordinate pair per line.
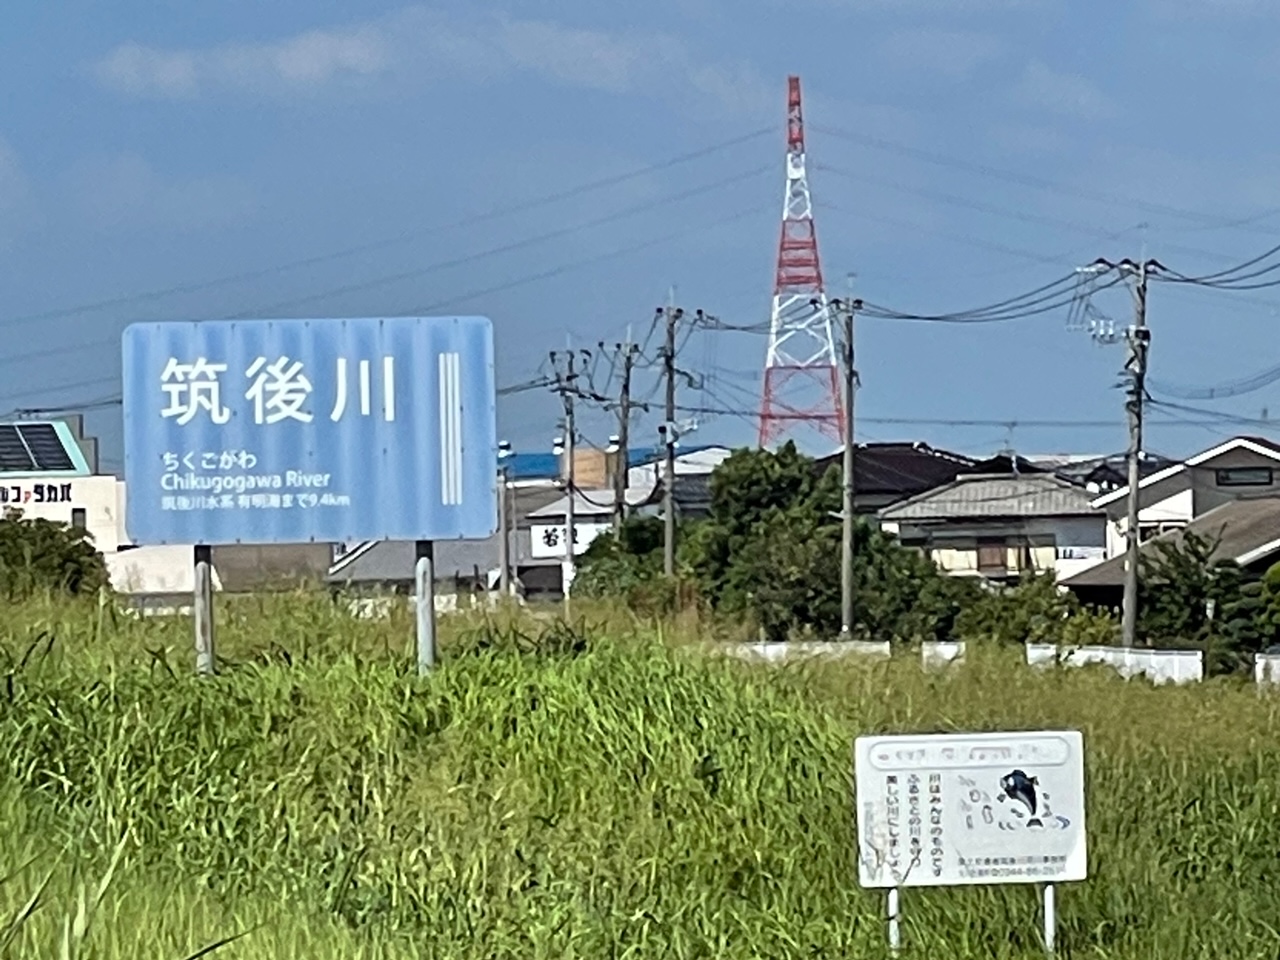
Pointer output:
x,y
202,611
895,930
424,589
1050,917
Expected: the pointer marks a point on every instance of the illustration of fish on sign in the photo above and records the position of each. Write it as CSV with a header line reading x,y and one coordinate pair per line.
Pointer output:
x,y
1020,790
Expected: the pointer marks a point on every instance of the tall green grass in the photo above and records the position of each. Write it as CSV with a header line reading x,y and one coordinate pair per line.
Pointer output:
x,y
606,790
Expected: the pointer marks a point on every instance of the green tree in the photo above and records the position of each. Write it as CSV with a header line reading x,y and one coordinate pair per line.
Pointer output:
x,y
38,555
770,550
628,566
1189,599
1035,610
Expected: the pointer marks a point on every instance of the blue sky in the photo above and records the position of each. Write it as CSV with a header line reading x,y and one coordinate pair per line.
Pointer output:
x,y
961,151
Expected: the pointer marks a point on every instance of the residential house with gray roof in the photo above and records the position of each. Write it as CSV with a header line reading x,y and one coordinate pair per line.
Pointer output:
x,y
1002,525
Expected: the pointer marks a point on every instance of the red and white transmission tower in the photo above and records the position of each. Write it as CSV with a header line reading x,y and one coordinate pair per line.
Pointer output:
x,y
801,379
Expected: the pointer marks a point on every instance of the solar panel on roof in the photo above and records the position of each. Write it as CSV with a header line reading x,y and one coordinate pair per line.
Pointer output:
x,y
45,446
14,455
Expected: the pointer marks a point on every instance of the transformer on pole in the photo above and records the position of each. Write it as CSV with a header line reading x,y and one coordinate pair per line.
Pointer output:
x,y
801,379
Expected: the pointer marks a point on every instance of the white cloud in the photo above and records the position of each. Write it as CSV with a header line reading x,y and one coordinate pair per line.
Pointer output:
x,y
125,191
1067,94
419,44
954,53
306,61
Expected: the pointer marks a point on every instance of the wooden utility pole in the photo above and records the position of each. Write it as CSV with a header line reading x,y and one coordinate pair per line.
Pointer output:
x,y
567,387
672,314
504,520
847,309
630,351
1139,338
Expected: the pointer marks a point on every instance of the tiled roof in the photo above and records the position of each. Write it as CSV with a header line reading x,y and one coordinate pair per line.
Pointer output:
x,y
901,469
980,496
1241,527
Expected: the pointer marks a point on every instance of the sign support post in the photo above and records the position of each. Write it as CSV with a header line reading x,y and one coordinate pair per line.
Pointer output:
x,y
425,590
895,931
961,809
202,611
1050,918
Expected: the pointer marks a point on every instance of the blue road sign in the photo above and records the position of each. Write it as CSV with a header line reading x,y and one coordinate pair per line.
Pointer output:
x,y
297,431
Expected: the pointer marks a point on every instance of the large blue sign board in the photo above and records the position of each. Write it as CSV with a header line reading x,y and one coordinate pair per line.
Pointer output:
x,y
296,431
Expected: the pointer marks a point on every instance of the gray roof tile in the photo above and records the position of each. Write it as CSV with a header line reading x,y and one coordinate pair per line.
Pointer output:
x,y
982,496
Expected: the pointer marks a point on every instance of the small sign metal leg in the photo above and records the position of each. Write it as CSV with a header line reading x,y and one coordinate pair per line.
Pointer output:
x,y
425,591
202,611
895,931
1050,918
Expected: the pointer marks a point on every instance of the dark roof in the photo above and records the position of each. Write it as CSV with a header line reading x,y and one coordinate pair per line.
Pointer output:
x,y
1244,527
692,493
31,448
990,496
1262,442
1003,463
901,469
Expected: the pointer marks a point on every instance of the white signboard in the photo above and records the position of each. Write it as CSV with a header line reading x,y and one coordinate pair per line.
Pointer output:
x,y
547,539
959,809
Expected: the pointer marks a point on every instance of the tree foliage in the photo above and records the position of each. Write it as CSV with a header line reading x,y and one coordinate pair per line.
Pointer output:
x,y
770,552
41,555
1035,610
1189,599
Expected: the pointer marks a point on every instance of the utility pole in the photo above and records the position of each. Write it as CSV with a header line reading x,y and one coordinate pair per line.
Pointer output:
x,y
629,352
504,520
1139,339
566,386
673,315
847,309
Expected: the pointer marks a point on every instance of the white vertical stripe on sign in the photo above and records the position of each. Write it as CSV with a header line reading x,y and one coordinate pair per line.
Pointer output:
x,y
364,388
450,429
389,389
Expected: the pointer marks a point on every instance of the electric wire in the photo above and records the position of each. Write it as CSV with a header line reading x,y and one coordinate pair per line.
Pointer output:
x,y
491,214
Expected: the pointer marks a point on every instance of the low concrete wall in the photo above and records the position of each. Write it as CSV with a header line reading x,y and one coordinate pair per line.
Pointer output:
x,y
1161,666
779,652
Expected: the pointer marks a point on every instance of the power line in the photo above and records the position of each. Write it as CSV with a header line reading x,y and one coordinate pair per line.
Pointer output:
x,y
1006,176
493,213
504,248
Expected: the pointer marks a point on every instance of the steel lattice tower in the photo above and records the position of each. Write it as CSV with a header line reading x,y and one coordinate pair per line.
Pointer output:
x,y
801,380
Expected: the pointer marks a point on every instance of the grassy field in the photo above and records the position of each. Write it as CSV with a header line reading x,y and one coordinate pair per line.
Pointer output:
x,y
602,792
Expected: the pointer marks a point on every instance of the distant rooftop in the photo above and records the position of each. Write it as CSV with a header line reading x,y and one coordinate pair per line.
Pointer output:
x,y
546,466
45,448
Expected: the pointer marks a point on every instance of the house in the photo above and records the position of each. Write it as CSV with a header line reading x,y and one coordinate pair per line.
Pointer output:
x,y
461,566
1245,530
886,473
1174,496
49,471
1001,525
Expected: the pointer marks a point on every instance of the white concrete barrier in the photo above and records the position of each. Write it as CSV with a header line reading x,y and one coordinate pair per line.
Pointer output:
x,y
778,652
938,655
1266,669
1161,666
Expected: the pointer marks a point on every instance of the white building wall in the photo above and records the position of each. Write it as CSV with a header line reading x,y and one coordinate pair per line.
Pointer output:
x,y
1176,508
155,570
58,499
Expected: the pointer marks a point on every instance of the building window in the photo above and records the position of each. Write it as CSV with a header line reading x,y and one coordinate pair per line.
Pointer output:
x,y
78,519
1243,477
1149,531
993,556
